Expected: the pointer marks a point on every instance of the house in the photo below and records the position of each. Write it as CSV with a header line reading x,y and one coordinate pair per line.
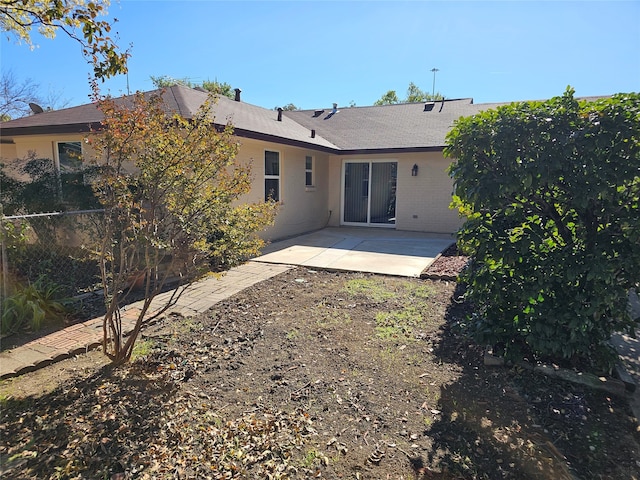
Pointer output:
x,y
377,166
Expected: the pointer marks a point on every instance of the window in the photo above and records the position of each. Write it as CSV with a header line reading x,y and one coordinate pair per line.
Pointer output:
x,y
272,175
69,156
70,171
308,171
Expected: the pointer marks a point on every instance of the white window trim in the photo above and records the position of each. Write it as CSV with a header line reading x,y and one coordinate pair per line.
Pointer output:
x,y
274,177
56,152
312,186
342,185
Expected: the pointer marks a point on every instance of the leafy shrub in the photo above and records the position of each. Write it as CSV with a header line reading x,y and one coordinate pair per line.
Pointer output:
x,y
46,188
31,305
551,192
70,268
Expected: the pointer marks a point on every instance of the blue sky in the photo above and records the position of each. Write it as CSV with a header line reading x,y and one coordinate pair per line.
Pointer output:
x,y
314,53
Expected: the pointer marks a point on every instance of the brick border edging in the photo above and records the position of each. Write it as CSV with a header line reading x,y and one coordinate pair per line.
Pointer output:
x,y
45,362
49,354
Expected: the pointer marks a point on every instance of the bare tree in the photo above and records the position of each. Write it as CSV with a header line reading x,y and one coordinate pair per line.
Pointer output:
x,y
54,100
16,95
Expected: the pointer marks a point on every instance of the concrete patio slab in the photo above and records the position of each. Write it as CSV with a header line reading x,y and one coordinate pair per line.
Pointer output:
x,y
371,250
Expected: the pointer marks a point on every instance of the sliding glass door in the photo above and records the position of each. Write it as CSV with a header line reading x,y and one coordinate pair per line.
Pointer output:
x,y
369,193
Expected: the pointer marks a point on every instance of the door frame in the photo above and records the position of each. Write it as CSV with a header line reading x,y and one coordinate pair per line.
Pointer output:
x,y
369,161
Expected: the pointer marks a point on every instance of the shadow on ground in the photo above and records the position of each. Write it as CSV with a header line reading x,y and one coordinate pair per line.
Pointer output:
x,y
496,422
93,425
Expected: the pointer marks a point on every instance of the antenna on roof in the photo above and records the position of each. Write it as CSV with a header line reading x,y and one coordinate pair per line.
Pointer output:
x,y
434,70
35,108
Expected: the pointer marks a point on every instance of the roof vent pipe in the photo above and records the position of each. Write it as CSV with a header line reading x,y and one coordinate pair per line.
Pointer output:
x,y
313,133
279,114
335,108
238,91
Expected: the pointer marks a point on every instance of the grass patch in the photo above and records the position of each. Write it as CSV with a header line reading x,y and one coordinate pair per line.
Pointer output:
x,y
372,289
391,358
333,319
398,324
418,291
314,458
4,400
142,349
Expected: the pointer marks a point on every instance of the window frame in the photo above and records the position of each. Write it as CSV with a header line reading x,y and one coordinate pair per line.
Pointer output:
x,y
309,172
67,165
277,177
59,166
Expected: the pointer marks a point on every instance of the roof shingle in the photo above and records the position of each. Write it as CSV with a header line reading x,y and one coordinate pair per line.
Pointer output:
x,y
248,120
405,126
399,126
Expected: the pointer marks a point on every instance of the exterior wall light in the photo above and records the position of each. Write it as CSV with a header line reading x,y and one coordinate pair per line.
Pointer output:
x,y
414,170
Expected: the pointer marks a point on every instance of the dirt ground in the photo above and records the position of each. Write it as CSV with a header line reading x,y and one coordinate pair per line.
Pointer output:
x,y
313,374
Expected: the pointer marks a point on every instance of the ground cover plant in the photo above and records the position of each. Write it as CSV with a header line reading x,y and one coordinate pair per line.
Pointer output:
x,y
313,374
31,305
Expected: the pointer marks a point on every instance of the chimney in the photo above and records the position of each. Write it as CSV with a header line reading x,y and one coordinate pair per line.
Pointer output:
x,y
238,91
313,133
279,114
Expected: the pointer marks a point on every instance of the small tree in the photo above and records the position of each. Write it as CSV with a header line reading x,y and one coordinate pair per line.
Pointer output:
x,y
289,107
414,94
389,98
551,192
170,187
212,86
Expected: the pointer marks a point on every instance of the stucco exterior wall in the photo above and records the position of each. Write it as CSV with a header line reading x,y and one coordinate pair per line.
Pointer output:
x,y
42,145
8,152
303,209
422,202
335,190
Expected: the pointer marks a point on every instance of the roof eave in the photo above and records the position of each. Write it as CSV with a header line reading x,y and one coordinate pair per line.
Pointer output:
x,y
386,151
86,128
50,129
282,140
